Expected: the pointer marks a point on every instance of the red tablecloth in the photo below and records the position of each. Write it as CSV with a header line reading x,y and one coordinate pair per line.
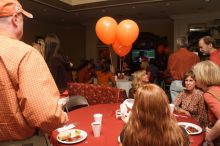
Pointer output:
x,y
111,127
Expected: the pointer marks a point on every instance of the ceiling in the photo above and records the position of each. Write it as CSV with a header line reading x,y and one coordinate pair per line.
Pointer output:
x,y
57,12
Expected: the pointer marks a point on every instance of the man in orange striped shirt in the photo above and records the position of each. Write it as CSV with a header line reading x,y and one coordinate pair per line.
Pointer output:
x,y
28,93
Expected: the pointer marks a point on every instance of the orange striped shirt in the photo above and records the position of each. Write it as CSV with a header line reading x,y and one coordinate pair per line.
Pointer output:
x,y
28,93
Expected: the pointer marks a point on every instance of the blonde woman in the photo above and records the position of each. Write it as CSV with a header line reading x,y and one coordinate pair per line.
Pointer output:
x,y
207,75
151,123
40,46
140,78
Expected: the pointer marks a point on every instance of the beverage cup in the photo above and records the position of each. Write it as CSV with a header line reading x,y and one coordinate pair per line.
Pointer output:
x,y
98,118
96,128
171,106
116,77
118,114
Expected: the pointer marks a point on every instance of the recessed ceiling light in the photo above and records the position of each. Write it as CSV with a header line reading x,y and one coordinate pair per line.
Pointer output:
x,y
207,0
80,2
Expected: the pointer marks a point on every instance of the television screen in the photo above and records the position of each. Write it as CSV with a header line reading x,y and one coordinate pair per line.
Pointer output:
x,y
142,55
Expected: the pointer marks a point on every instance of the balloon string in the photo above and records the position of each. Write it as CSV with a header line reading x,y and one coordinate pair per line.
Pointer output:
x,y
122,64
110,55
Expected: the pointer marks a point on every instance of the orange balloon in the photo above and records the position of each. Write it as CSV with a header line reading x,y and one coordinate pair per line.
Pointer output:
x,y
106,29
127,32
121,50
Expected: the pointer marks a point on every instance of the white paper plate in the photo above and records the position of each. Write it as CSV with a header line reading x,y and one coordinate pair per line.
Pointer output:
x,y
83,136
187,127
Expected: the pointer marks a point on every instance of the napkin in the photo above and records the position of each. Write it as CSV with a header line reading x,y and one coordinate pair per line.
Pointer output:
x,y
66,127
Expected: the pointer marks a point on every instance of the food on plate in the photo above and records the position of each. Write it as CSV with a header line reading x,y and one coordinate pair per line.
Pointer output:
x,y
191,129
70,136
64,135
75,133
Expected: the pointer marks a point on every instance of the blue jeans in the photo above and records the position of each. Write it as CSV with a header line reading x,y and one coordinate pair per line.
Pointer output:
x,y
175,88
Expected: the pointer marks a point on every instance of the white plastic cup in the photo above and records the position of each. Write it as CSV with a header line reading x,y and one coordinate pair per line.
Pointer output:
x,y
98,118
96,128
63,101
95,81
171,107
116,77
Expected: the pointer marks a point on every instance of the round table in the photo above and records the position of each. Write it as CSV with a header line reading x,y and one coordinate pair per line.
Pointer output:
x,y
111,127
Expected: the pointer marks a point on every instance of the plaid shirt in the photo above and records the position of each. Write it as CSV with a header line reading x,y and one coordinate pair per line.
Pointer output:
x,y
28,94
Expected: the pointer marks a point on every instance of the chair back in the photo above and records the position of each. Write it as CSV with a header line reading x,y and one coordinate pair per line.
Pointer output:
x,y
96,94
76,101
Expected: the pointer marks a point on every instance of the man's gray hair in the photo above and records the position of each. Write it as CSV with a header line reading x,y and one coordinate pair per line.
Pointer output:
x,y
209,40
182,42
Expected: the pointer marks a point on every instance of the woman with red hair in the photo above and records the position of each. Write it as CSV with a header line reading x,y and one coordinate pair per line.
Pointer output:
x,y
151,123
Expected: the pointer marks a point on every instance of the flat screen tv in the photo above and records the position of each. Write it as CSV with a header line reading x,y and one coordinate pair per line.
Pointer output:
x,y
140,55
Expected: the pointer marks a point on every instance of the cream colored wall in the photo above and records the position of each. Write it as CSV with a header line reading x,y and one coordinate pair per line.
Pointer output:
x,y
91,44
80,42
72,38
181,22
162,27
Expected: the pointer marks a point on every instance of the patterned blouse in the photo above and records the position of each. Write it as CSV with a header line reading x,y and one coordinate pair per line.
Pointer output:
x,y
194,104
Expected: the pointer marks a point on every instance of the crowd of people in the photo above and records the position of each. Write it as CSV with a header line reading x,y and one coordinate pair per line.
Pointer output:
x,y
195,91
31,82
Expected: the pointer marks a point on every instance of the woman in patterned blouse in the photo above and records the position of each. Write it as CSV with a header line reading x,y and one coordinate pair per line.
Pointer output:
x,y
190,101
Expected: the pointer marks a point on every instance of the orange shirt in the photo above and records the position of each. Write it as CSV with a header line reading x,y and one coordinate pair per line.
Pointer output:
x,y
213,103
180,62
104,78
215,57
28,93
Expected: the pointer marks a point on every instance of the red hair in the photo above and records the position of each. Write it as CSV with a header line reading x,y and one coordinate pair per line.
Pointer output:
x,y
151,123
